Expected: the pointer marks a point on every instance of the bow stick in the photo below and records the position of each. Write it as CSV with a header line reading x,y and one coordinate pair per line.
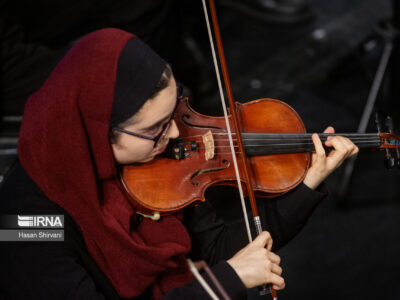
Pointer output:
x,y
247,174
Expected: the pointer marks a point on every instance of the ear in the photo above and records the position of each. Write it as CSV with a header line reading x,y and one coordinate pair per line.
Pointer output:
x,y
117,151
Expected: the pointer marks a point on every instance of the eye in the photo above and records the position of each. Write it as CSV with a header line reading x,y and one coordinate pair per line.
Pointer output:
x,y
152,129
155,128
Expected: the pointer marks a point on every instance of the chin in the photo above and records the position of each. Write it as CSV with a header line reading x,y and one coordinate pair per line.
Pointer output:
x,y
145,160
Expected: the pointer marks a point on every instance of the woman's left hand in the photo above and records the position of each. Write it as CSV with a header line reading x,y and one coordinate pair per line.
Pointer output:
x,y
322,165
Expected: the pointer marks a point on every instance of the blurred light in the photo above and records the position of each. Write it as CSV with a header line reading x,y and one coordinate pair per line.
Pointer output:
x,y
319,34
255,84
370,45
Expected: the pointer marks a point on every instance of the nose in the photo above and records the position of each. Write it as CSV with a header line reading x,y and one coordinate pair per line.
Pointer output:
x,y
173,131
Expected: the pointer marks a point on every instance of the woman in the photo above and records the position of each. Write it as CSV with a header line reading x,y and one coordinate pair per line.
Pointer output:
x,y
109,102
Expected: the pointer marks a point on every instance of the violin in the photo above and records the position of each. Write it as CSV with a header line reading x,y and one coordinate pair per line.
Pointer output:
x,y
275,141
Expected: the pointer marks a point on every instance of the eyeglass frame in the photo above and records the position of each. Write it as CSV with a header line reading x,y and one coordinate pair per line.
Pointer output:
x,y
165,127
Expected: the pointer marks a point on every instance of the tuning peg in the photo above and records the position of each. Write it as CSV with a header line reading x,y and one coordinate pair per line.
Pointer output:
x,y
389,124
390,127
389,159
390,162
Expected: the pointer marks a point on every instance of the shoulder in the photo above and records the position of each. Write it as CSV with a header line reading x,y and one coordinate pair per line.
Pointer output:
x,y
19,193
46,269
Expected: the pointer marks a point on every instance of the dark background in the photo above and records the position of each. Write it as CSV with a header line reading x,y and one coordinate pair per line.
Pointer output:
x,y
349,249
324,69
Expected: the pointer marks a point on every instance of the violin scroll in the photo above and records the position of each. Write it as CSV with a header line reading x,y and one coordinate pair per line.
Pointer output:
x,y
390,142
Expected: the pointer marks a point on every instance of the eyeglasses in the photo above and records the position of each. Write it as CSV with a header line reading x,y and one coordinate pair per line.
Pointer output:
x,y
165,127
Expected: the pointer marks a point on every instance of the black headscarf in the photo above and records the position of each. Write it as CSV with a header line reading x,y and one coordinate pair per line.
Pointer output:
x,y
139,70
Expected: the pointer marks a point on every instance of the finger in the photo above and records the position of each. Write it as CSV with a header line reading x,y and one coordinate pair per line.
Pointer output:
x,y
319,149
355,151
277,287
342,145
277,281
340,151
264,239
329,129
336,142
351,147
274,257
313,158
276,269
269,243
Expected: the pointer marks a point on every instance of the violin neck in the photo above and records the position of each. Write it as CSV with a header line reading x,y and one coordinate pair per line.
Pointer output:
x,y
279,143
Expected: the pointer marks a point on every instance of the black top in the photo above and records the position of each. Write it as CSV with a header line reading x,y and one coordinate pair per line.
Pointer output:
x,y
65,270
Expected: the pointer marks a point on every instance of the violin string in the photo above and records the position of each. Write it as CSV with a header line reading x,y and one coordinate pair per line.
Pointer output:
x,y
305,143
190,137
298,150
256,134
295,145
298,133
285,135
282,146
294,148
303,138
276,151
299,138
265,143
227,153
280,135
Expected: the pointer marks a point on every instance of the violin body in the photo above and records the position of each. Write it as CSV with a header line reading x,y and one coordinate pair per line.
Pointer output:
x,y
165,185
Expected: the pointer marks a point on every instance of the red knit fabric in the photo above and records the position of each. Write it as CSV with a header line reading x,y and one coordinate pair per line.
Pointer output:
x,y
65,149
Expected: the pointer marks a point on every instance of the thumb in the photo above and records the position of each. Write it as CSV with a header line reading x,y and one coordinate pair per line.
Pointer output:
x,y
264,240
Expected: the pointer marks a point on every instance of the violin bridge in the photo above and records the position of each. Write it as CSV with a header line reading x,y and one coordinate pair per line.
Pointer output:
x,y
208,142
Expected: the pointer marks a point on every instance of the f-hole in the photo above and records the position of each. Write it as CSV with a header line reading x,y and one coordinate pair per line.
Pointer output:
x,y
225,166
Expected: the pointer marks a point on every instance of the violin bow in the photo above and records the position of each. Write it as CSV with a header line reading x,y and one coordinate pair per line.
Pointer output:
x,y
233,112
197,266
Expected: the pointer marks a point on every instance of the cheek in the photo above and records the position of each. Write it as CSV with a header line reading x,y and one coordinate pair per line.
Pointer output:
x,y
133,150
139,149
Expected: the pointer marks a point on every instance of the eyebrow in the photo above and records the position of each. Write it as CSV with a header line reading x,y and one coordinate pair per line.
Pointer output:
x,y
163,120
157,123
